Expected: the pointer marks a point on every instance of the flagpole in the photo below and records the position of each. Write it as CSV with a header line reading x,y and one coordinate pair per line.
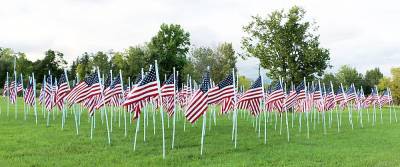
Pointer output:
x,y
286,112
173,121
307,114
123,93
380,105
138,117
161,107
23,95
144,115
8,93
102,96
234,103
323,105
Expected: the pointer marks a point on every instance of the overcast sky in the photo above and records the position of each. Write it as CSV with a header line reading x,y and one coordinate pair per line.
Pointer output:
x,y
363,34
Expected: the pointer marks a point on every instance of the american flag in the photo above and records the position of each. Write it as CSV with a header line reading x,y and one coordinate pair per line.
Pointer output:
x,y
329,99
20,88
199,102
29,97
385,98
94,92
112,92
168,94
62,91
82,90
48,95
5,88
317,95
351,93
291,99
251,98
224,89
301,92
277,94
13,93
147,88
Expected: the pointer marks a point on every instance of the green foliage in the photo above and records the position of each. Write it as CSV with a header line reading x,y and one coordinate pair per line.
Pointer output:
x,y
286,45
393,83
348,75
371,79
169,47
100,60
245,82
328,78
221,61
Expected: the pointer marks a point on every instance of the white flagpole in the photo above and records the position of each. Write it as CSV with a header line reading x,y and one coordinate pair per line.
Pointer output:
x,y
173,121
161,108
323,110
380,105
111,109
123,93
286,112
48,112
144,115
234,105
138,118
23,95
203,131
102,96
8,93
307,114
34,95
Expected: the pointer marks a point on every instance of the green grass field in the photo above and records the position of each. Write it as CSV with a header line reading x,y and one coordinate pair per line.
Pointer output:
x,y
22,143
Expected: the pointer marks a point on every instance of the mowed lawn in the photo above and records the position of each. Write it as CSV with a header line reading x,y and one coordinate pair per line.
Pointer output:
x,y
23,143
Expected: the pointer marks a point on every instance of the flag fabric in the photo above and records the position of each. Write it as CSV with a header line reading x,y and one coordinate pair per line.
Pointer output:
x,y
62,91
147,88
48,95
251,99
29,97
276,97
168,94
291,99
112,92
5,89
81,91
13,93
198,104
20,88
224,89
329,99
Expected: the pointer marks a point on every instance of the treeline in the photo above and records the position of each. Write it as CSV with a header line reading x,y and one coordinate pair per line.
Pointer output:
x,y
170,47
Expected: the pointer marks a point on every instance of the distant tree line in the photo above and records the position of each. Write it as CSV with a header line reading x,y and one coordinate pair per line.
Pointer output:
x,y
170,47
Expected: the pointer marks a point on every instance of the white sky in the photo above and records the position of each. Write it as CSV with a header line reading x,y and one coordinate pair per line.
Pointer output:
x,y
363,34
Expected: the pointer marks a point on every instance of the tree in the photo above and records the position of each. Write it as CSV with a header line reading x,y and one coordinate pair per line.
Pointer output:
x,y
245,82
136,60
23,65
371,79
53,62
84,66
169,46
286,45
393,83
328,78
203,57
100,60
226,59
6,64
348,75
119,62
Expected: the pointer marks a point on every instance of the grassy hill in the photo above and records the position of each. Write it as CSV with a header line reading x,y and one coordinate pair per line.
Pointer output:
x,y
23,143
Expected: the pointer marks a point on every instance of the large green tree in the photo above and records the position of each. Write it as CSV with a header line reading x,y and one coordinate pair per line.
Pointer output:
x,y
136,59
348,75
371,79
53,62
100,60
169,46
286,45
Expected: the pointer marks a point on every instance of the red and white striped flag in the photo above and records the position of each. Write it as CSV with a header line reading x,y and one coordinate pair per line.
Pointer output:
x,y
198,104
